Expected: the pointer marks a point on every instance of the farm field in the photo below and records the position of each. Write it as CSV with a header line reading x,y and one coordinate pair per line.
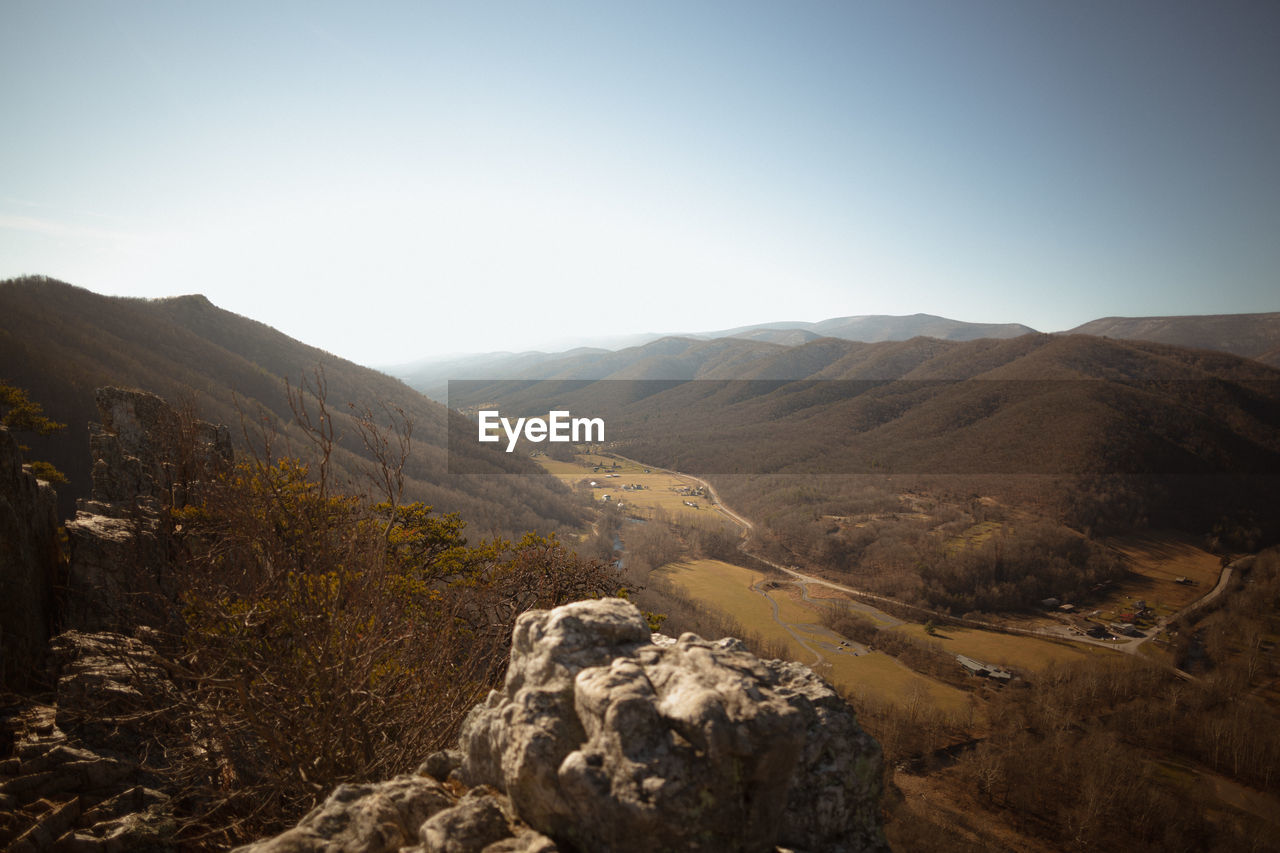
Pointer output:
x,y
660,487
1024,654
1155,561
974,536
729,589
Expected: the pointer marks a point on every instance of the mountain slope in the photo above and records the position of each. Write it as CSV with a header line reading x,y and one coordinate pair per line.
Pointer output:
x,y
62,342
1250,335
1060,406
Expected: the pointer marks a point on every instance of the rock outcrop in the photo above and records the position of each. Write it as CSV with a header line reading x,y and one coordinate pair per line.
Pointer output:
x,y
608,738
29,561
87,773
145,455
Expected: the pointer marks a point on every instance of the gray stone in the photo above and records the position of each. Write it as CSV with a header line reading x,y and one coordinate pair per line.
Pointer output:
x,y
475,823
524,841
363,819
440,764
145,458
611,742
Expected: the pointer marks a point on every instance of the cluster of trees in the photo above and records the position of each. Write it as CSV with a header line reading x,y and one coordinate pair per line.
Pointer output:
x,y
925,561
1015,570
923,656
1221,507
1078,757
325,636
19,413
1089,756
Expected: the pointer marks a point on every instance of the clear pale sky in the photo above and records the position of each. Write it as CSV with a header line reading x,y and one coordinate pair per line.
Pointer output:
x,y
393,180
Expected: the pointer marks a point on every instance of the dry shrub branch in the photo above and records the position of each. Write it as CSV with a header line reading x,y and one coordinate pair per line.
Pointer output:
x,y
330,637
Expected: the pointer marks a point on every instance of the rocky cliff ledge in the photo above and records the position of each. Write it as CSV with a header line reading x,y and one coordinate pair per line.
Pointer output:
x,y
145,456
608,738
29,561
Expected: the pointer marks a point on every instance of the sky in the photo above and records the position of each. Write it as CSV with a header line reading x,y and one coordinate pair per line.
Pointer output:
x,y
390,181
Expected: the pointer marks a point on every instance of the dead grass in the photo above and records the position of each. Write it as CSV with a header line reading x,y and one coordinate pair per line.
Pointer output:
x,y
728,588
1155,561
942,800
659,492
1025,654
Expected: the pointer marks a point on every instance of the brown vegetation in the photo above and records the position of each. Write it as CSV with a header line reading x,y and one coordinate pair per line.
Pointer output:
x,y
327,637
62,343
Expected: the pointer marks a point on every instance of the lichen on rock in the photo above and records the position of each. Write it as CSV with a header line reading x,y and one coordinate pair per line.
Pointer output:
x,y
614,743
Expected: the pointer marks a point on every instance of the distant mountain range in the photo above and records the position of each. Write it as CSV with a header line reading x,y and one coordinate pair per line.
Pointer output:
x,y
1255,336
1058,405
872,328
62,342
779,405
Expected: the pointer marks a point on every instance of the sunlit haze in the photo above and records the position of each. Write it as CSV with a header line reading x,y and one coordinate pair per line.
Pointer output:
x,y
394,180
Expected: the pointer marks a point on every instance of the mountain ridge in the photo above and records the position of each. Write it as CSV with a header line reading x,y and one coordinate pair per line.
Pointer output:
x,y
62,342
1255,336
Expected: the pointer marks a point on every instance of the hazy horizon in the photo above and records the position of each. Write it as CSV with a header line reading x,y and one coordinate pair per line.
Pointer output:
x,y
406,180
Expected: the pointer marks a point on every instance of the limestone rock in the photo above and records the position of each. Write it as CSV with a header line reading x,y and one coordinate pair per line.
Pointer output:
x,y
110,688
363,819
64,790
607,739
441,764
611,742
29,561
145,457
471,826
144,450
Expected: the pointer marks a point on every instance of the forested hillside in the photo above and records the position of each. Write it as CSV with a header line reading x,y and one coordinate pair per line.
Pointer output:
x,y
1132,433
61,342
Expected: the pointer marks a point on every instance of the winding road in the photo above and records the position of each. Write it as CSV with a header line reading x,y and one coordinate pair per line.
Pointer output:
x,y
1057,632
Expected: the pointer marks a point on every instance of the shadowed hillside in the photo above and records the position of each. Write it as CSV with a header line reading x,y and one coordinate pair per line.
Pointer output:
x,y
1201,423
62,342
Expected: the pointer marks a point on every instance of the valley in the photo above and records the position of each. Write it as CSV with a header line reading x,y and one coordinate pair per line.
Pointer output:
x,y
840,427
788,606
908,670
1036,565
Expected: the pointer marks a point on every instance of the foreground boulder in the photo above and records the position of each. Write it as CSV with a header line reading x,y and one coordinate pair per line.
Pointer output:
x,y
610,741
606,738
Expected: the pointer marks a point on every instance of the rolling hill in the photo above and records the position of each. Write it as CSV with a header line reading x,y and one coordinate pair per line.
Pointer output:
x,y
62,342
1254,336
873,328
1056,406
431,376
